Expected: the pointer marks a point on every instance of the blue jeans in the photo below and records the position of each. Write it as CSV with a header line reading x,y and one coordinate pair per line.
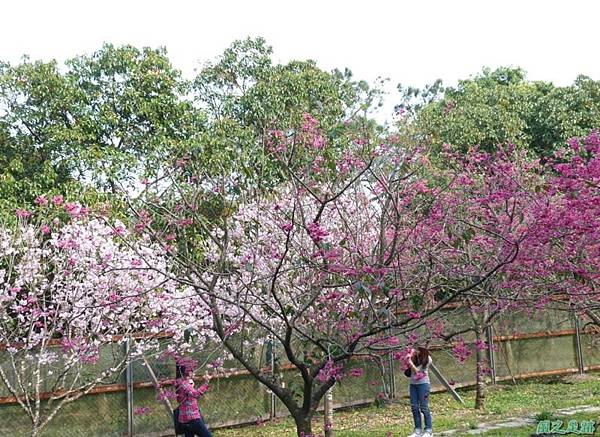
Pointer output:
x,y
419,403
196,427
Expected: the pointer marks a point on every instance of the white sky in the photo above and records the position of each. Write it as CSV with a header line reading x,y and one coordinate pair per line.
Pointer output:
x,y
412,42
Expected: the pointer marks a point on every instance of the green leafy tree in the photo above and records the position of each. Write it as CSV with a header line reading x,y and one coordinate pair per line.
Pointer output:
x,y
133,112
100,120
120,114
34,156
246,95
500,106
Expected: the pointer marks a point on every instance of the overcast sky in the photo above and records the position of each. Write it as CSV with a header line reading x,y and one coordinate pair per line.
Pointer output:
x,y
412,42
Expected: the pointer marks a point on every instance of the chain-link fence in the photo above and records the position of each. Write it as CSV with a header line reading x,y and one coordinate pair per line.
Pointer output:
x,y
546,344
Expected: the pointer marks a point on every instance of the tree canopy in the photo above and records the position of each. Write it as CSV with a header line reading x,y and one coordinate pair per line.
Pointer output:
x,y
114,117
501,106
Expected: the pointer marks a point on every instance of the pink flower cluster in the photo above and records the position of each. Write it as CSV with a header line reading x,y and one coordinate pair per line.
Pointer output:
x,y
140,411
330,370
312,135
461,351
316,232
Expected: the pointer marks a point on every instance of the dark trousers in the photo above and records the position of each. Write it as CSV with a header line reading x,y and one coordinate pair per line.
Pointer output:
x,y
196,427
419,403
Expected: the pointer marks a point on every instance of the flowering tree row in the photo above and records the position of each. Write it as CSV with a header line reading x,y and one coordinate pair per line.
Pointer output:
x,y
360,248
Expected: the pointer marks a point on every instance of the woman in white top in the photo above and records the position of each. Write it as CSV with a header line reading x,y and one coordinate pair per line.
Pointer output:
x,y
419,390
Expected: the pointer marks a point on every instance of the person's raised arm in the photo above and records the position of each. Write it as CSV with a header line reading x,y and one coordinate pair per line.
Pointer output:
x,y
411,364
188,389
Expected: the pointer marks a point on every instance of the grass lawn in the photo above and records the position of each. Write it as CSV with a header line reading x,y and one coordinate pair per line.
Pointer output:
x,y
527,398
527,431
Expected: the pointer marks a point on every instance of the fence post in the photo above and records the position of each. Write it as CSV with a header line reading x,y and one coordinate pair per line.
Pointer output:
x,y
491,357
392,376
271,358
578,349
129,384
328,412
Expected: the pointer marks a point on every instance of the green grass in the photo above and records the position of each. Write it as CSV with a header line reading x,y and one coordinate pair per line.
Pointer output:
x,y
526,399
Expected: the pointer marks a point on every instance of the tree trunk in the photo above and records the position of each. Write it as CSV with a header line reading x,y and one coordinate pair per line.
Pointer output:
x,y
481,371
303,424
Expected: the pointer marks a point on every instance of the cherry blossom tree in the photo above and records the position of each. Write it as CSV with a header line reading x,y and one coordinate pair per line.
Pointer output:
x,y
502,192
73,289
552,211
356,251
561,264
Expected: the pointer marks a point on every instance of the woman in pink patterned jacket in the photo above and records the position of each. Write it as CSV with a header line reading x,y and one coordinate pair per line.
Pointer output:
x,y
187,397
